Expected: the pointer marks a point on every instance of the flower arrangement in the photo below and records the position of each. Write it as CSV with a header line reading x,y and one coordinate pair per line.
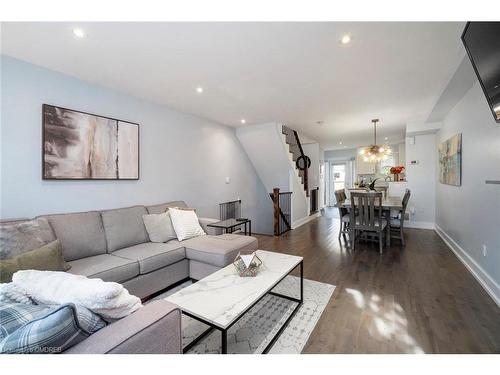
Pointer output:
x,y
397,170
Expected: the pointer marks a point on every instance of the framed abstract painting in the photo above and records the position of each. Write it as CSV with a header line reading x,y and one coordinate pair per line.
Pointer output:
x,y
450,161
84,146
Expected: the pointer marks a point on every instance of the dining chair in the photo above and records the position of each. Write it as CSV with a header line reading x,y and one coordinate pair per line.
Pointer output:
x,y
366,216
340,196
397,223
382,189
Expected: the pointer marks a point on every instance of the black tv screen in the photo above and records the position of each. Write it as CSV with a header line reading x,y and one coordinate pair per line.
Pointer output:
x,y
482,42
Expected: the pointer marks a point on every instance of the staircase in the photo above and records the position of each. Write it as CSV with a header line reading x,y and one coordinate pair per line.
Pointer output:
x,y
278,158
302,161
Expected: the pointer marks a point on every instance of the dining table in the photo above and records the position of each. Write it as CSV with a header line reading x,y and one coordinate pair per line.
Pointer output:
x,y
389,203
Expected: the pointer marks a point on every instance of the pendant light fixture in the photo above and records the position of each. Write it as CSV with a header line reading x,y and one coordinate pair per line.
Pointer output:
x,y
375,153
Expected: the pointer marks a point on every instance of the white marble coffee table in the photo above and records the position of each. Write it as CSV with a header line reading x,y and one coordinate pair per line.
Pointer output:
x,y
223,297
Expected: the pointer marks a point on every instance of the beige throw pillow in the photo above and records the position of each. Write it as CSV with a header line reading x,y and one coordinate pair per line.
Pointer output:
x,y
159,227
46,258
185,223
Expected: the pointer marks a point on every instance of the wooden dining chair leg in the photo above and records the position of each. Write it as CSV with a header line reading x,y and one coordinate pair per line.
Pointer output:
x,y
380,242
401,234
341,228
352,238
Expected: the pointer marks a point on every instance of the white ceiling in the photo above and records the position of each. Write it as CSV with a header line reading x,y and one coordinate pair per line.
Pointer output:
x,y
297,73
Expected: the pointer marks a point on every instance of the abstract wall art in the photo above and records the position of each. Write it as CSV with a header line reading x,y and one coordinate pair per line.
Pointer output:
x,y
450,161
84,146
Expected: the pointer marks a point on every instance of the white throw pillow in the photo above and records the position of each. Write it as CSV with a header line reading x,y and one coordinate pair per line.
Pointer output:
x,y
186,223
159,227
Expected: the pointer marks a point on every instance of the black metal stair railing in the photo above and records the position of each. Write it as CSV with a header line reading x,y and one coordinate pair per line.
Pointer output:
x,y
230,210
302,161
282,203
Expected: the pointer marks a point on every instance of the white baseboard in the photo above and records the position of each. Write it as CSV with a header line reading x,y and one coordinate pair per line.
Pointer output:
x,y
302,221
489,285
419,224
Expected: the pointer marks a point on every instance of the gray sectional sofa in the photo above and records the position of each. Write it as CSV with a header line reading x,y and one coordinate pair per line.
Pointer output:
x,y
113,245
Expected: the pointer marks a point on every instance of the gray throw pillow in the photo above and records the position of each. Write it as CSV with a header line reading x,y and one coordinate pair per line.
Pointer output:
x,y
159,227
19,237
46,258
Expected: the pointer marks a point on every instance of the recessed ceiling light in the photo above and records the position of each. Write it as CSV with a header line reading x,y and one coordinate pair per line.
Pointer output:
x,y
340,142
346,39
199,90
243,121
386,138
79,33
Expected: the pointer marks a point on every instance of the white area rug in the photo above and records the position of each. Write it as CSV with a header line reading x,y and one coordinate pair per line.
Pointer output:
x,y
252,333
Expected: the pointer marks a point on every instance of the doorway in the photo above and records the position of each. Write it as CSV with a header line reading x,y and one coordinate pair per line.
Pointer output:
x,y
339,175
338,179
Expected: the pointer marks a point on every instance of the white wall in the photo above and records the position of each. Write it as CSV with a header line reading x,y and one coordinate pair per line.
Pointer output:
x,y
181,156
322,178
300,203
402,154
468,216
341,155
312,151
422,180
263,145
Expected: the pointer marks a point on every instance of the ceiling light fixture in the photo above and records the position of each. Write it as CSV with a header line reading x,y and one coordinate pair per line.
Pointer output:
x,y
79,33
243,121
375,153
340,142
386,138
199,90
346,39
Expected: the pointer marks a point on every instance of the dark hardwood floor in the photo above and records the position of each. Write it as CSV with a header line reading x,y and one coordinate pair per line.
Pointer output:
x,y
417,299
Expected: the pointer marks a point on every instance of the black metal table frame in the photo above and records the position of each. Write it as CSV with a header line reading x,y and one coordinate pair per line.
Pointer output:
x,y
229,228
224,330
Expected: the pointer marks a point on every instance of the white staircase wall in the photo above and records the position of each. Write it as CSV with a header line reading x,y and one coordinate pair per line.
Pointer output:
x,y
300,204
267,150
262,143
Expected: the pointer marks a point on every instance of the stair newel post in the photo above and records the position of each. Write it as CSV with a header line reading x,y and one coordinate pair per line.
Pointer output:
x,y
276,203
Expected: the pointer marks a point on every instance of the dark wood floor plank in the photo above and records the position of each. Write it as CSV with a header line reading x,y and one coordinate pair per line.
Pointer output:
x,y
417,299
